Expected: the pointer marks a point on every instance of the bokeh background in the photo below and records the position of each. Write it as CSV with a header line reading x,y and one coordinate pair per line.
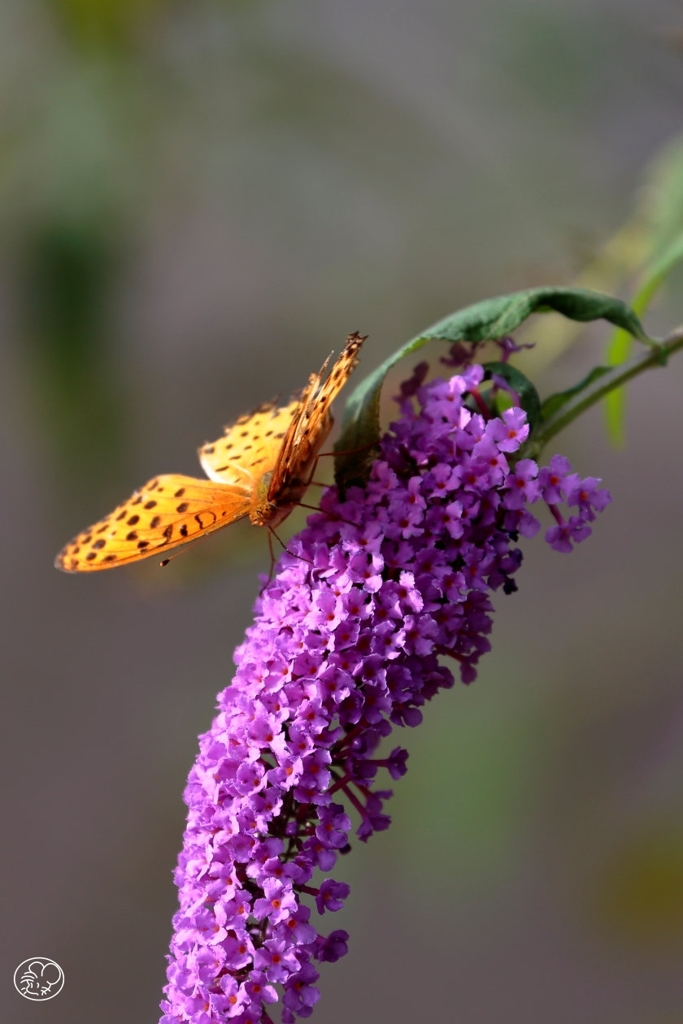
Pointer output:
x,y
199,199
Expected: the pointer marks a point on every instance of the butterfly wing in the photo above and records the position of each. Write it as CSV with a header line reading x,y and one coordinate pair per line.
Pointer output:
x,y
249,447
310,425
260,467
168,511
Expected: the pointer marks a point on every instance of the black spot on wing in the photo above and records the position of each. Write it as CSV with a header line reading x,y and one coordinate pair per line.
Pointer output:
x,y
211,518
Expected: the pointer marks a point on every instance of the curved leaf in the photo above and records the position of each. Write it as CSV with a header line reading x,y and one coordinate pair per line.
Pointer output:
x,y
522,386
488,320
494,318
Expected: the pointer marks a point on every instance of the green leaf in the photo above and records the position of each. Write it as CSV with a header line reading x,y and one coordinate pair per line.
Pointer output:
x,y
555,402
488,320
522,386
663,265
664,237
663,203
619,348
494,318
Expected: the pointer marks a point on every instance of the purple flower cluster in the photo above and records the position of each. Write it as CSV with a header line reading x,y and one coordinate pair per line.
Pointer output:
x,y
345,645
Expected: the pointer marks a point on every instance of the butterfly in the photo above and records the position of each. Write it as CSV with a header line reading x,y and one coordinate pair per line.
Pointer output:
x,y
259,468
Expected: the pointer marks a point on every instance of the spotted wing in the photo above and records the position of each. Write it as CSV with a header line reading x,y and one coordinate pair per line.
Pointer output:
x,y
249,447
168,511
311,423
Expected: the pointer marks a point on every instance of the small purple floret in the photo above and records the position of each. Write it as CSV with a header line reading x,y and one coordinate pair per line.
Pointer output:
x,y
346,646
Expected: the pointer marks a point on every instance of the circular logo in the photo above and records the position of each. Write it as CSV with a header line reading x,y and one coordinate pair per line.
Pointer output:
x,y
38,978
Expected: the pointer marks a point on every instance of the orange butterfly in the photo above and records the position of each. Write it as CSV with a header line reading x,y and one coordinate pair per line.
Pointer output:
x,y
259,468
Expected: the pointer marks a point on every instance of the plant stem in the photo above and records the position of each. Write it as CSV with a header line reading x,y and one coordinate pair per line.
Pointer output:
x,y
614,378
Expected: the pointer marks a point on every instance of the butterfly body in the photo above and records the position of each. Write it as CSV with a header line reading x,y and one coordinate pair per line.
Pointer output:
x,y
265,512
260,469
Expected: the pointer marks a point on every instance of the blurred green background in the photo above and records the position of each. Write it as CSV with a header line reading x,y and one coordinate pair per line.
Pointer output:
x,y
198,201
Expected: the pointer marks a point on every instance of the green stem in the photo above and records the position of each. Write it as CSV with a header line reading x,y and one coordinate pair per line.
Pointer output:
x,y
610,381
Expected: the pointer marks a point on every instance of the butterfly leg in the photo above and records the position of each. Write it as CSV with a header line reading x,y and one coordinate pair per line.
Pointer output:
x,y
271,534
317,483
313,508
272,558
323,512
